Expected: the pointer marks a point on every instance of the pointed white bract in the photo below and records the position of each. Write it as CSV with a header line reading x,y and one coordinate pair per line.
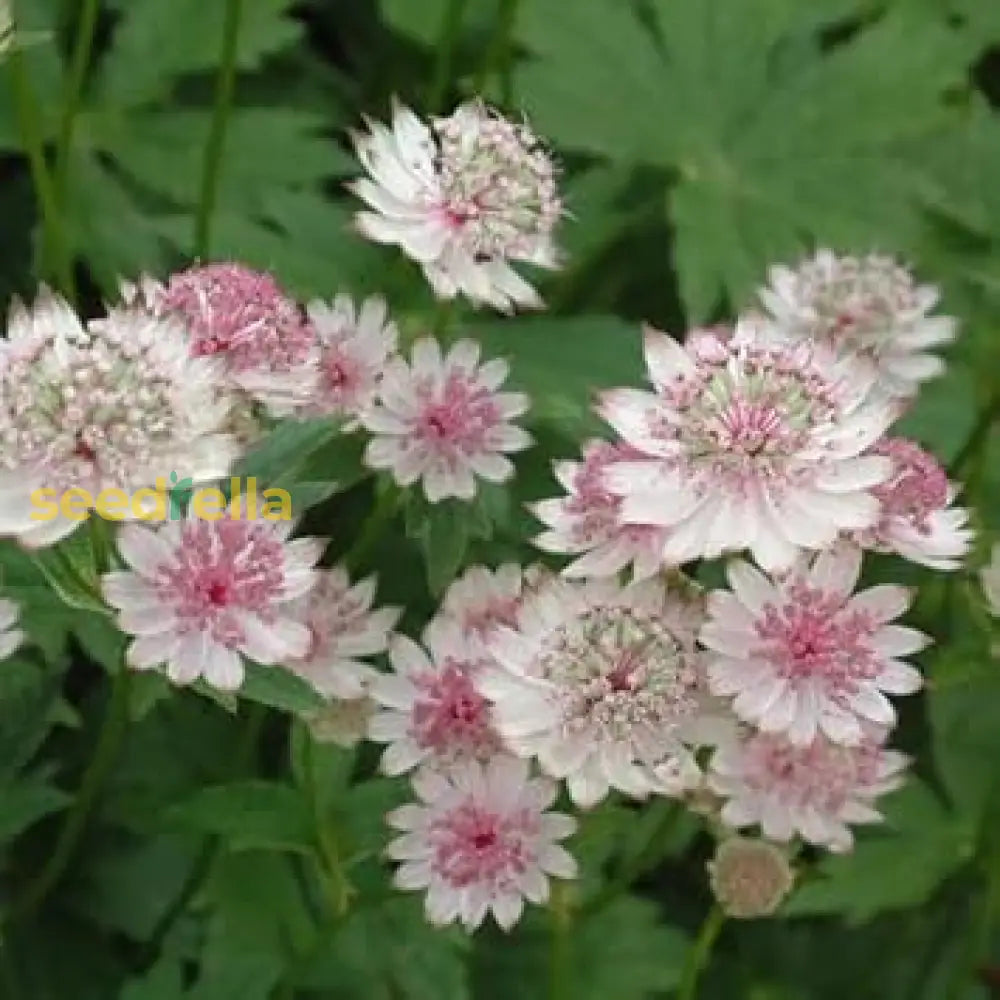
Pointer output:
x,y
816,792
464,197
867,309
802,654
481,840
747,443
587,522
344,632
11,637
604,687
441,420
201,595
113,405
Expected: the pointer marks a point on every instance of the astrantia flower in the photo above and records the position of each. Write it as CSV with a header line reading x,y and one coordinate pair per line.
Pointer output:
x,y
749,878
481,840
989,577
463,197
751,444
10,636
432,712
482,599
604,686
814,791
116,405
441,420
243,318
869,308
588,520
200,593
354,345
800,654
343,630
917,520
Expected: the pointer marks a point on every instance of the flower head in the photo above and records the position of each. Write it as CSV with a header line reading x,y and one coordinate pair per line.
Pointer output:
x,y
354,344
917,520
800,654
441,420
603,685
750,878
200,593
432,711
481,600
10,636
869,308
113,406
749,443
343,630
814,791
463,197
588,520
481,840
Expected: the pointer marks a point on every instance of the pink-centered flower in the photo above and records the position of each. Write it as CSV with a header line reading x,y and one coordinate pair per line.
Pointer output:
x,y
344,631
917,520
441,420
481,600
10,635
587,522
464,198
749,443
202,593
480,840
867,308
816,791
354,344
243,318
800,655
432,711
604,686
114,405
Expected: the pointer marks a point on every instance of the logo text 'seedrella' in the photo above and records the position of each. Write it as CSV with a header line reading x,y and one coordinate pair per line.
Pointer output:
x,y
161,502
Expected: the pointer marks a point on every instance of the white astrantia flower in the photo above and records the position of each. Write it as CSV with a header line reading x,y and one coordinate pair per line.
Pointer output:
x,y
344,631
867,308
10,635
749,443
440,419
114,405
603,685
481,840
354,345
464,197
481,600
201,594
815,792
587,522
802,654
989,578
432,712
917,518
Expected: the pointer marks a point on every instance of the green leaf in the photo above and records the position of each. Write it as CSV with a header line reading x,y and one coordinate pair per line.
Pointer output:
x,y
279,688
943,414
27,699
164,981
891,868
442,530
26,802
285,450
249,814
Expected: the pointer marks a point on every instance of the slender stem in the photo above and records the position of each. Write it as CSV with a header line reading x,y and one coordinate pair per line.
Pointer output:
x,y
560,952
217,136
497,58
74,89
371,531
698,956
108,742
450,26
56,256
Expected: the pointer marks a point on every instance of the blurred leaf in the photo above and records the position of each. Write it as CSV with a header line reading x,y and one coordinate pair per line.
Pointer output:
x,y
285,449
443,531
279,688
27,698
25,802
163,982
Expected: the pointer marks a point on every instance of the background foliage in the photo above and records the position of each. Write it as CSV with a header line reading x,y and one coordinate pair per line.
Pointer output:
x,y
701,140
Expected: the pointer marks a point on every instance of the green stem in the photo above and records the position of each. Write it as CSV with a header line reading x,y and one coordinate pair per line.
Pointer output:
x,y
371,531
698,956
450,26
561,942
56,257
217,136
108,742
497,59
73,92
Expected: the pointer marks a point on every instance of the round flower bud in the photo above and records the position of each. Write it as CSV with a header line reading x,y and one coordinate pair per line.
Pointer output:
x,y
749,878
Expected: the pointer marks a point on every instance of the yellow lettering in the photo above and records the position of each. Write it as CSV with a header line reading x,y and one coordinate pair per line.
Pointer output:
x,y
75,504
44,502
284,502
208,503
112,504
150,504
